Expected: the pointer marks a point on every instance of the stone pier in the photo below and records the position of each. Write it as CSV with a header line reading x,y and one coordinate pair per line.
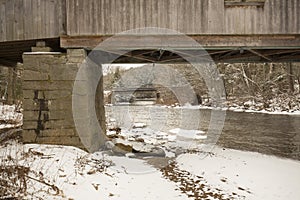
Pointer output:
x,y
48,81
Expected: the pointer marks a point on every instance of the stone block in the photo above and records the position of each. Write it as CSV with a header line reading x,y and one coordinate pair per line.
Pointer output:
x,y
47,94
35,75
48,85
57,94
60,104
28,94
30,104
57,132
62,140
76,53
30,115
37,61
76,59
63,72
29,124
29,136
66,123
41,49
59,124
60,114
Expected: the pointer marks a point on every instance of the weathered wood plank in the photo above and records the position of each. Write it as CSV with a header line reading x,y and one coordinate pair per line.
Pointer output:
x,y
18,19
38,16
34,19
215,16
71,11
2,21
296,17
173,15
9,20
60,20
163,41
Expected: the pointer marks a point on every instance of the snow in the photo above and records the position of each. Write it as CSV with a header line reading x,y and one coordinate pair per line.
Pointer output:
x,y
189,134
42,53
220,173
262,177
111,68
10,116
139,125
74,172
237,108
77,174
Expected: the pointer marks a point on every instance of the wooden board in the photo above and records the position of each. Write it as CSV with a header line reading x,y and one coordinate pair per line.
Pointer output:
x,y
178,41
31,19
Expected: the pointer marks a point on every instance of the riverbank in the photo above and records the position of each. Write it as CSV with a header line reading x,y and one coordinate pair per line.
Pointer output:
x,y
60,172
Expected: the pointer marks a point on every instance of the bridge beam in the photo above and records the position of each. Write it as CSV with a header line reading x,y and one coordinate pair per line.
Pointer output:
x,y
207,41
221,48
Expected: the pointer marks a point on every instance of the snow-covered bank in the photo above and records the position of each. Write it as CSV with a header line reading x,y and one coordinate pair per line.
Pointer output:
x,y
237,108
78,175
10,116
224,174
252,175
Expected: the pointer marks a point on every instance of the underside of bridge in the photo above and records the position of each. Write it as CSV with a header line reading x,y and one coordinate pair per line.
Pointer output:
x,y
51,66
221,48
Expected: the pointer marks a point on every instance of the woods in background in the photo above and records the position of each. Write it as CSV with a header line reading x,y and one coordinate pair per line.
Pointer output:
x,y
258,86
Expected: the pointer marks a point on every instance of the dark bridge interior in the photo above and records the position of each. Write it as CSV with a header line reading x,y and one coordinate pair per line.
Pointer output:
x,y
261,49
234,55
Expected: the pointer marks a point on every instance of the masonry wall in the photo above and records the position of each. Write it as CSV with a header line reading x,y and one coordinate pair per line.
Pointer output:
x,y
48,81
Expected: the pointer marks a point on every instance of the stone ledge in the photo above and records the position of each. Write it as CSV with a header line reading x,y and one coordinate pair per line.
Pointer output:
x,y
50,124
61,140
57,132
53,115
48,85
49,94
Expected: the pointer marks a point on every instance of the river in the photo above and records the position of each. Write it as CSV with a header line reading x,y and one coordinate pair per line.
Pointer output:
x,y
273,134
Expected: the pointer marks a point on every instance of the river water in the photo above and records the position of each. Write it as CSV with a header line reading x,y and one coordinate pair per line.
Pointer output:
x,y
273,134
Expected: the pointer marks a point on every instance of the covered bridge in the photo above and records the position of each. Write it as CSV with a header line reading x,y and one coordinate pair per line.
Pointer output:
x,y
53,37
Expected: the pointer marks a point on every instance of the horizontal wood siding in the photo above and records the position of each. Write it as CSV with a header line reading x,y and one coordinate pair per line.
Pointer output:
x,y
31,19
106,17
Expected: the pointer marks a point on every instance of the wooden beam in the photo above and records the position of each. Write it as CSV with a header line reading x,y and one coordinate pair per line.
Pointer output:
x,y
229,3
7,63
259,54
179,42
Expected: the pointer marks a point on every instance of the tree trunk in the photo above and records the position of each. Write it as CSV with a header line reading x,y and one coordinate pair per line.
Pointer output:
x,y
290,77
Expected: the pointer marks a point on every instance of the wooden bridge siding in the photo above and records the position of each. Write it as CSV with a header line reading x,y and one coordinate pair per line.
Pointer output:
x,y
277,17
190,17
34,19
122,15
31,19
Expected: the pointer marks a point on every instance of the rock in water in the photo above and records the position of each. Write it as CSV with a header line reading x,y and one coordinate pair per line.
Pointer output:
x,y
122,149
109,145
155,152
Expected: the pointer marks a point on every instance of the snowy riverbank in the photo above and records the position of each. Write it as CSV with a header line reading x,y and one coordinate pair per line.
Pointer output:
x,y
33,171
59,172
10,116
